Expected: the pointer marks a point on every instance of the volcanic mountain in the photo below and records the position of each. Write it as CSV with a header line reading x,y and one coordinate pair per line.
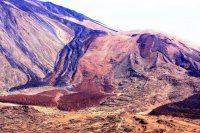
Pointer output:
x,y
55,57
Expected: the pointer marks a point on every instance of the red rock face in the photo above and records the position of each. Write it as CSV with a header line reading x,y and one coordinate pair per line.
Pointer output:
x,y
174,52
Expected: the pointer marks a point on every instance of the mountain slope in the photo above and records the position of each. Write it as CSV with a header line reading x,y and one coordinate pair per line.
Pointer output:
x,y
27,31
55,57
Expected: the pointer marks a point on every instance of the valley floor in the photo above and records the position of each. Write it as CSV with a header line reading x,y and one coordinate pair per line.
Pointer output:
x,y
29,119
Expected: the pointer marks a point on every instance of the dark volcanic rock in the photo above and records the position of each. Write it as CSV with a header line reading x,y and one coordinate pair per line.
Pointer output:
x,y
79,101
68,57
189,108
169,79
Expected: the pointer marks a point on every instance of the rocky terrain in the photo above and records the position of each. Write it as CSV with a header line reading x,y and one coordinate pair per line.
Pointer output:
x,y
35,119
67,69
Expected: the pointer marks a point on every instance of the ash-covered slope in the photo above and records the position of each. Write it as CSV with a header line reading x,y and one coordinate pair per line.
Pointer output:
x,y
44,45
32,34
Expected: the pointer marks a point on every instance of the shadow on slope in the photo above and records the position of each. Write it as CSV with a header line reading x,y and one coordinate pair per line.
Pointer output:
x,y
189,108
